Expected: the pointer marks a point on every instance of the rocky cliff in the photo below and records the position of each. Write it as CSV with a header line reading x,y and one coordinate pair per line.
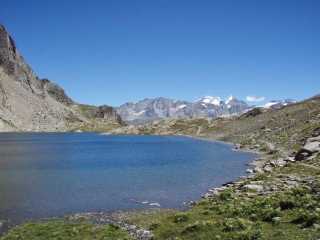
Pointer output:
x,y
28,103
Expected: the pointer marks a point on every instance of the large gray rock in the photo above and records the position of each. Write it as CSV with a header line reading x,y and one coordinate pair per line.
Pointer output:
x,y
312,146
253,187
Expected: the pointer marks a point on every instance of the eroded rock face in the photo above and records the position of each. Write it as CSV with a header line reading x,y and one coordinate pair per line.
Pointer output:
x,y
56,92
8,51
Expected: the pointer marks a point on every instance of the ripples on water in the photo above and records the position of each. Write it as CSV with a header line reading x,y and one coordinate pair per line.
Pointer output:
x,y
45,175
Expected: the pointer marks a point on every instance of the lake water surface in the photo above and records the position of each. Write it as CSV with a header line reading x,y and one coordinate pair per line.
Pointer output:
x,y
47,175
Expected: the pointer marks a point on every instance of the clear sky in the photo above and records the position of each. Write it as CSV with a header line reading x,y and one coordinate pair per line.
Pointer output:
x,y
114,51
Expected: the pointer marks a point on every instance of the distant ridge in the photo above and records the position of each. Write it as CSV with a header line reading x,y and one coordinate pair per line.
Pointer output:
x,y
150,109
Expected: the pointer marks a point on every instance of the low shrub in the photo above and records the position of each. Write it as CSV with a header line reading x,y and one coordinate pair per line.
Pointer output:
x,y
235,224
180,218
306,218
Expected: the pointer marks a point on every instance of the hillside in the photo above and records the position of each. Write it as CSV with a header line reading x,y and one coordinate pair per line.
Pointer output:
x,y
284,128
28,103
279,199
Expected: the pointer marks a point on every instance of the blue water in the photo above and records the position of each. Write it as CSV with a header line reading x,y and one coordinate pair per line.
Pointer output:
x,y
47,175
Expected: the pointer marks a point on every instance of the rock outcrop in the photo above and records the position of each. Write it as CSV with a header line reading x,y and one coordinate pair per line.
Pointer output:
x,y
28,103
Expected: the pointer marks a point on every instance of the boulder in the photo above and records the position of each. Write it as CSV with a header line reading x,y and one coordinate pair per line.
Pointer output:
x,y
316,132
312,146
278,163
144,234
258,170
302,154
267,168
253,187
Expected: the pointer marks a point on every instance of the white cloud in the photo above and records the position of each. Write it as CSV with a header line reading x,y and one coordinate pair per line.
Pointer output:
x,y
255,99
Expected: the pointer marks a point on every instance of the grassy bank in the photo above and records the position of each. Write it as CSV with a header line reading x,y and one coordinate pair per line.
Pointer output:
x,y
60,229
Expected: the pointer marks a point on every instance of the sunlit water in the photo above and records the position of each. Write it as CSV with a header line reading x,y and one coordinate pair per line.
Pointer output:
x,y
46,175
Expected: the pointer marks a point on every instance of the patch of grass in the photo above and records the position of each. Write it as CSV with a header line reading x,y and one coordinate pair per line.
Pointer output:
x,y
61,230
240,218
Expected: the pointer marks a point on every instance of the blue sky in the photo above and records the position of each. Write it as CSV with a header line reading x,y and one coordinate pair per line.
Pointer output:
x,y
114,51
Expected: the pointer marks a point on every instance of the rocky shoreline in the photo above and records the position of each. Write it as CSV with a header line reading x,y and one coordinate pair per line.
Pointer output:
x,y
265,164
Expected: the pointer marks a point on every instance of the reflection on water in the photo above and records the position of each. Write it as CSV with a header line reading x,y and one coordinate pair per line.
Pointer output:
x,y
46,175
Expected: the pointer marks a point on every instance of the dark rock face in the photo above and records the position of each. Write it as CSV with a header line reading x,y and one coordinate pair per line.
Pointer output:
x,y
8,51
107,112
56,92
252,113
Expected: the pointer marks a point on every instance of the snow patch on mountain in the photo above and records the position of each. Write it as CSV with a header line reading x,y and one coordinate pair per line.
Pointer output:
x,y
160,108
211,100
275,104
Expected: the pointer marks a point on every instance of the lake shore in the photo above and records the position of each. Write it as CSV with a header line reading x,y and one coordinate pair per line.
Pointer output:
x,y
247,185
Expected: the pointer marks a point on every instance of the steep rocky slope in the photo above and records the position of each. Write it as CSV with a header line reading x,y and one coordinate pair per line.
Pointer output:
x,y
28,103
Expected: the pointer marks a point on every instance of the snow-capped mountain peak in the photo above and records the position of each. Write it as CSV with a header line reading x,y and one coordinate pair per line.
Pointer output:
x,y
159,108
230,99
274,104
270,104
211,100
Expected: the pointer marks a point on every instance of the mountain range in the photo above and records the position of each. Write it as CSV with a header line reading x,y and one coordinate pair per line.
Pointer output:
x,y
151,109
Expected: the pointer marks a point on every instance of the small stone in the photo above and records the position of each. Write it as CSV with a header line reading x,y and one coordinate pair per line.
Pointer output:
x,y
249,170
267,168
258,170
276,219
237,146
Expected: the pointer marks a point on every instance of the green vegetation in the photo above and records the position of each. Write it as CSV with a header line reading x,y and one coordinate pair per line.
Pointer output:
x,y
61,230
290,214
